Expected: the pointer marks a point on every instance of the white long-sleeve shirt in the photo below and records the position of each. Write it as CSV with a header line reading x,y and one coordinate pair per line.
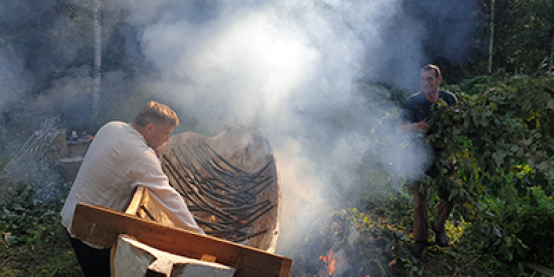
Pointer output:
x,y
117,161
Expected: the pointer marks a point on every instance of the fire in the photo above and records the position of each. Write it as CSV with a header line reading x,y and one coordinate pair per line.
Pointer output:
x,y
330,262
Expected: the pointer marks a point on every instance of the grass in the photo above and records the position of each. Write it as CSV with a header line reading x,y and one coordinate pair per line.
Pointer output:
x,y
458,259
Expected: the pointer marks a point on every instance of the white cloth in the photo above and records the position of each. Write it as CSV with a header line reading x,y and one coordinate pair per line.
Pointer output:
x,y
117,161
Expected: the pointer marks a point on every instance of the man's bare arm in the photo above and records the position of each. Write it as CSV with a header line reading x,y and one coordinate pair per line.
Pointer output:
x,y
417,126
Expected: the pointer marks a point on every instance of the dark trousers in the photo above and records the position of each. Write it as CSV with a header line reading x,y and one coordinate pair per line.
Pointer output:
x,y
94,262
421,220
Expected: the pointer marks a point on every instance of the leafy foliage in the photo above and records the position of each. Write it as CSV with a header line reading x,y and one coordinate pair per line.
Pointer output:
x,y
518,227
29,208
523,35
32,240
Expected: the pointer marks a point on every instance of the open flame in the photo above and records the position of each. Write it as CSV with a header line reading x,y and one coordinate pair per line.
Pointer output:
x,y
330,262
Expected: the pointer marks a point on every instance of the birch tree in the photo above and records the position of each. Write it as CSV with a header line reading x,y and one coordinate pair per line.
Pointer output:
x,y
491,44
97,59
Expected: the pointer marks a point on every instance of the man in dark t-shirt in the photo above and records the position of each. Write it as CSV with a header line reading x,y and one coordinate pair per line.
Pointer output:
x,y
416,109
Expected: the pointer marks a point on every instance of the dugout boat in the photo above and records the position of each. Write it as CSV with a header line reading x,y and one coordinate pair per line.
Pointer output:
x,y
230,183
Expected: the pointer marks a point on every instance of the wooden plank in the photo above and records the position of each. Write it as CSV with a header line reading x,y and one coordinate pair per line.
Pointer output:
x,y
134,206
59,149
143,207
133,258
102,226
275,231
539,268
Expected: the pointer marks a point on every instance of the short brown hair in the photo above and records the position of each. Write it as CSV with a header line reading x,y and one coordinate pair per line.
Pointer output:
x,y
156,113
432,67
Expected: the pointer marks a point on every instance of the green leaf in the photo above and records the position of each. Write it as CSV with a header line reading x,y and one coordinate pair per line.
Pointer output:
x,y
514,148
499,157
480,206
484,122
508,241
544,166
527,142
550,104
497,231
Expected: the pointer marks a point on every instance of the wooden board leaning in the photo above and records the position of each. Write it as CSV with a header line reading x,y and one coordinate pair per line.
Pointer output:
x,y
102,226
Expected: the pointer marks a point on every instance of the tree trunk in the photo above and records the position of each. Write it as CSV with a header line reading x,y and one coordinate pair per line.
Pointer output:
x,y
97,59
551,61
492,37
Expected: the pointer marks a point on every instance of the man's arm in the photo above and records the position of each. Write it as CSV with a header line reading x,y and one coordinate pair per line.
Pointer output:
x,y
166,197
407,118
417,126
174,207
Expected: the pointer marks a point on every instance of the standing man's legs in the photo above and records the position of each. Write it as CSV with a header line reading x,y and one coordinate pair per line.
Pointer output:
x,y
94,262
445,206
444,209
420,228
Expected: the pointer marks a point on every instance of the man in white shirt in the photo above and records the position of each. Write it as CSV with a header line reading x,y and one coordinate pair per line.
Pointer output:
x,y
121,157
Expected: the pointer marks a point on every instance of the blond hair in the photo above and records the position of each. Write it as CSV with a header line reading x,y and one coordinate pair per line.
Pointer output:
x,y
157,114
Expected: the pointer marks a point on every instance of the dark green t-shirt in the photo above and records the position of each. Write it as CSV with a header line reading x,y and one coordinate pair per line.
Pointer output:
x,y
417,108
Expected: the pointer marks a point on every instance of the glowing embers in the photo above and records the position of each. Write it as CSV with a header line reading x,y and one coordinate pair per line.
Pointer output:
x,y
329,262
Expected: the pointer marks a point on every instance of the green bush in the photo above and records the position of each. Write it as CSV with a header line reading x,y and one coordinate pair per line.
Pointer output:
x,y
476,85
30,207
519,227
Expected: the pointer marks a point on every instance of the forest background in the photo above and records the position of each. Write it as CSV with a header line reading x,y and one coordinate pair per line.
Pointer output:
x,y
90,62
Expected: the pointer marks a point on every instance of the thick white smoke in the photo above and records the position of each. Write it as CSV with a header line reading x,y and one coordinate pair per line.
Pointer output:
x,y
290,68
280,66
13,78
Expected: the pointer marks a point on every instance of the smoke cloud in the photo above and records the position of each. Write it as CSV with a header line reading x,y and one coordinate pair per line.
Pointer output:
x,y
293,69
13,78
288,67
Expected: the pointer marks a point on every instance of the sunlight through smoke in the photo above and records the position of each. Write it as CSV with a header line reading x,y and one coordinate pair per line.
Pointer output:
x,y
289,68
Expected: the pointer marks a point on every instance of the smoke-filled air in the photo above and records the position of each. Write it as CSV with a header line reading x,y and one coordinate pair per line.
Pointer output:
x,y
287,67
292,69
312,137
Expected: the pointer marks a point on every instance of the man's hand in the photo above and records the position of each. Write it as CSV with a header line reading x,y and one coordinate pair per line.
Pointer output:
x,y
420,126
157,150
